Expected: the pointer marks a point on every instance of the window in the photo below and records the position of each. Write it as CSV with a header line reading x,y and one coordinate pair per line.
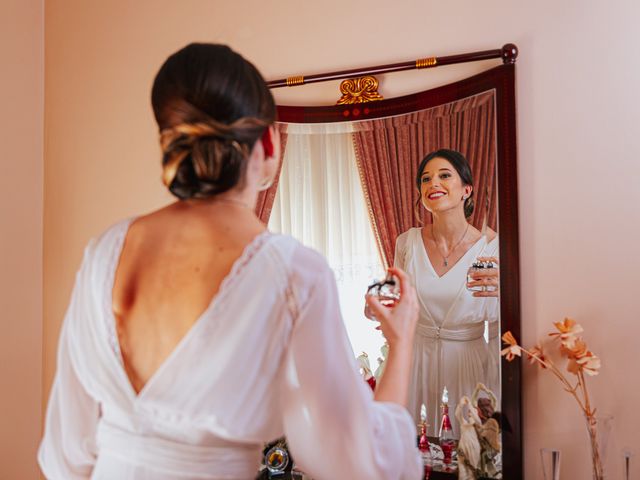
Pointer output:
x,y
321,203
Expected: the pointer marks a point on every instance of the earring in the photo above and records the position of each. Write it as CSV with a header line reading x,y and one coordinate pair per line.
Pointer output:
x,y
266,183
268,180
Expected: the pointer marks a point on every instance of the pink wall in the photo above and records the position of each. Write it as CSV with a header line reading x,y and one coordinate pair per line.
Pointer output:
x,y
21,179
578,120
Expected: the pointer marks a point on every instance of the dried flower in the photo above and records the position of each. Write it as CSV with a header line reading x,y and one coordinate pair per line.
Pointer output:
x,y
578,350
537,352
569,330
589,363
513,349
580,360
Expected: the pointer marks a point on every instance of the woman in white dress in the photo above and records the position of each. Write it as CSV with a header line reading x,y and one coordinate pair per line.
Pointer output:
x,y
194,336
450,347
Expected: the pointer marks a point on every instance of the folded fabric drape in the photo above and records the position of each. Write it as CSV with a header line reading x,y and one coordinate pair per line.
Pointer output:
x,y
460,333
168,455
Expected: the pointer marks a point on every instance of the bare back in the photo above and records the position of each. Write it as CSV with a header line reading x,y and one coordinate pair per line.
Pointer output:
x,y
172,264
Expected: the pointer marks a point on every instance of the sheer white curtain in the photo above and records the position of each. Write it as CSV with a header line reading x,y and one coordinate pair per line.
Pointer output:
x,y
320,202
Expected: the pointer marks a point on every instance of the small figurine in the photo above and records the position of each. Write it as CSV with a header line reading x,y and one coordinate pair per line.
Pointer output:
x,y
469,444
384,351
365,370
488,431
486,405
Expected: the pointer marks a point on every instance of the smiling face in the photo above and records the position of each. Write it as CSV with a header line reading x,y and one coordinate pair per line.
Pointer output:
x,y
441,187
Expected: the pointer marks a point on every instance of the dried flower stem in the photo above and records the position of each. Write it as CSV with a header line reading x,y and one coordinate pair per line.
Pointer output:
x,y
551,366
580,360
592,424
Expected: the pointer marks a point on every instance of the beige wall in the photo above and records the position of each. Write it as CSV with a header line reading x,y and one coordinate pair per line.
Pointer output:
x,y
21,179
578,120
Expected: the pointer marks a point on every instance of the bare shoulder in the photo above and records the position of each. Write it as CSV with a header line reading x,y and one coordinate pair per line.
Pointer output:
x,y
491,235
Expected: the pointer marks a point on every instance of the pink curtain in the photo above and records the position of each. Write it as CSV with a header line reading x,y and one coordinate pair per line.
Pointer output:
x,y
267,197
389,151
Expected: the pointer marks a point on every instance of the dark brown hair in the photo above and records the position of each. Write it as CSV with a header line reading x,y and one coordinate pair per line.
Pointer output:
x,y
461,165
211,106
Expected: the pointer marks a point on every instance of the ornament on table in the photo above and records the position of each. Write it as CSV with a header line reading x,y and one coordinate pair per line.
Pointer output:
x,y
485,402
365,370
423,443
489,432
384,351
469,444
445,436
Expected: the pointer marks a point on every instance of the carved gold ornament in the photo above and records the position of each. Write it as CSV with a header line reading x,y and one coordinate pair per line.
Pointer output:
x,y
359,90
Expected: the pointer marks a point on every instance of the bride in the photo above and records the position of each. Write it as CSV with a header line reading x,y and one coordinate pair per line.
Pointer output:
x,y
194,336
450,348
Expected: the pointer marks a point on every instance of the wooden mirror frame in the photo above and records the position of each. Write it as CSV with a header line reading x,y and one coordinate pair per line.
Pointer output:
x,y
502,80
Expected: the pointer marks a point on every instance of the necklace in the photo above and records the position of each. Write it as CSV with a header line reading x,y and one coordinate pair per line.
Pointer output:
x,y
446,258
233,201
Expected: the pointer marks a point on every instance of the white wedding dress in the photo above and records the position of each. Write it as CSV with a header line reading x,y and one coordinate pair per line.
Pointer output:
x,y
450,346
268,357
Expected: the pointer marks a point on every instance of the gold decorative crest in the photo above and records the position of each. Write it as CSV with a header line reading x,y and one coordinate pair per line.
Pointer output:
x,y
359,90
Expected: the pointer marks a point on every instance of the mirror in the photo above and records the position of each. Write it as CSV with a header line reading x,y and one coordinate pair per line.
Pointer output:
x,y
369,188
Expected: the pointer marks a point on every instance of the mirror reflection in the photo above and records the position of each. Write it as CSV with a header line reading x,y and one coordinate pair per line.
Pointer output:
x,y
417,191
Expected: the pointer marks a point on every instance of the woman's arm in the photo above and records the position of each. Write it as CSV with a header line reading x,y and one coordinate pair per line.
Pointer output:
x,y
67,450
398,325
334,427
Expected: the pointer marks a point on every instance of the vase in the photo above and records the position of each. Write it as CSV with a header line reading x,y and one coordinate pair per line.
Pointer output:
x,y
598,428
626,466
550,463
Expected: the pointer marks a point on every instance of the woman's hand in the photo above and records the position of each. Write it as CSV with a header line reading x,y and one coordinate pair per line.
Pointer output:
x,y
398,323
487,277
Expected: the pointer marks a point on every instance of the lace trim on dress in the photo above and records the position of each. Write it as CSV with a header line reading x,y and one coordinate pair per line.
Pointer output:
x,y
109,278
238,266
241,262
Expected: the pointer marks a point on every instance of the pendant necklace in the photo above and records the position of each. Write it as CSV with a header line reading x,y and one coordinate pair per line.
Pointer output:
x,y
446,259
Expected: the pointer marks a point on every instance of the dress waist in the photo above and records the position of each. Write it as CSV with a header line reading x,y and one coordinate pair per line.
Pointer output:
x,y
172,456
458,333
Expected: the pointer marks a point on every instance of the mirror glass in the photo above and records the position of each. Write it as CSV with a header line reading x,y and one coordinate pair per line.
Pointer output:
x,y
349,189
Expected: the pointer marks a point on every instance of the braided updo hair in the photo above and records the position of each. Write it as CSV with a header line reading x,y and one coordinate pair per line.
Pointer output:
x,y
211,106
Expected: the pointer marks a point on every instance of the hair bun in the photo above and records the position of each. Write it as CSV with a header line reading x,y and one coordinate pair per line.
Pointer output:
x,y
201,160
211,106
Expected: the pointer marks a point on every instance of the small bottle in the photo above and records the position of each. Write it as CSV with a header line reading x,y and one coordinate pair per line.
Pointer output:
x,y
423,443
480,266
445,436
387,291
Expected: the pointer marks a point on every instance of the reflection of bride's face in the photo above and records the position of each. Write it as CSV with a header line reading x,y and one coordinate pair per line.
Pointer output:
x,y
441,187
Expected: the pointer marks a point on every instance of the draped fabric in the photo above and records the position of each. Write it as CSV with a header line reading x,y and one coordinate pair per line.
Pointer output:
x,y
266,197
320,202
389,150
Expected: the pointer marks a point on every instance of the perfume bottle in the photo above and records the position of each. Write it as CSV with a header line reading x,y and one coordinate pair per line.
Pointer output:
x,y
387,291
445,436
480,266
423,443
